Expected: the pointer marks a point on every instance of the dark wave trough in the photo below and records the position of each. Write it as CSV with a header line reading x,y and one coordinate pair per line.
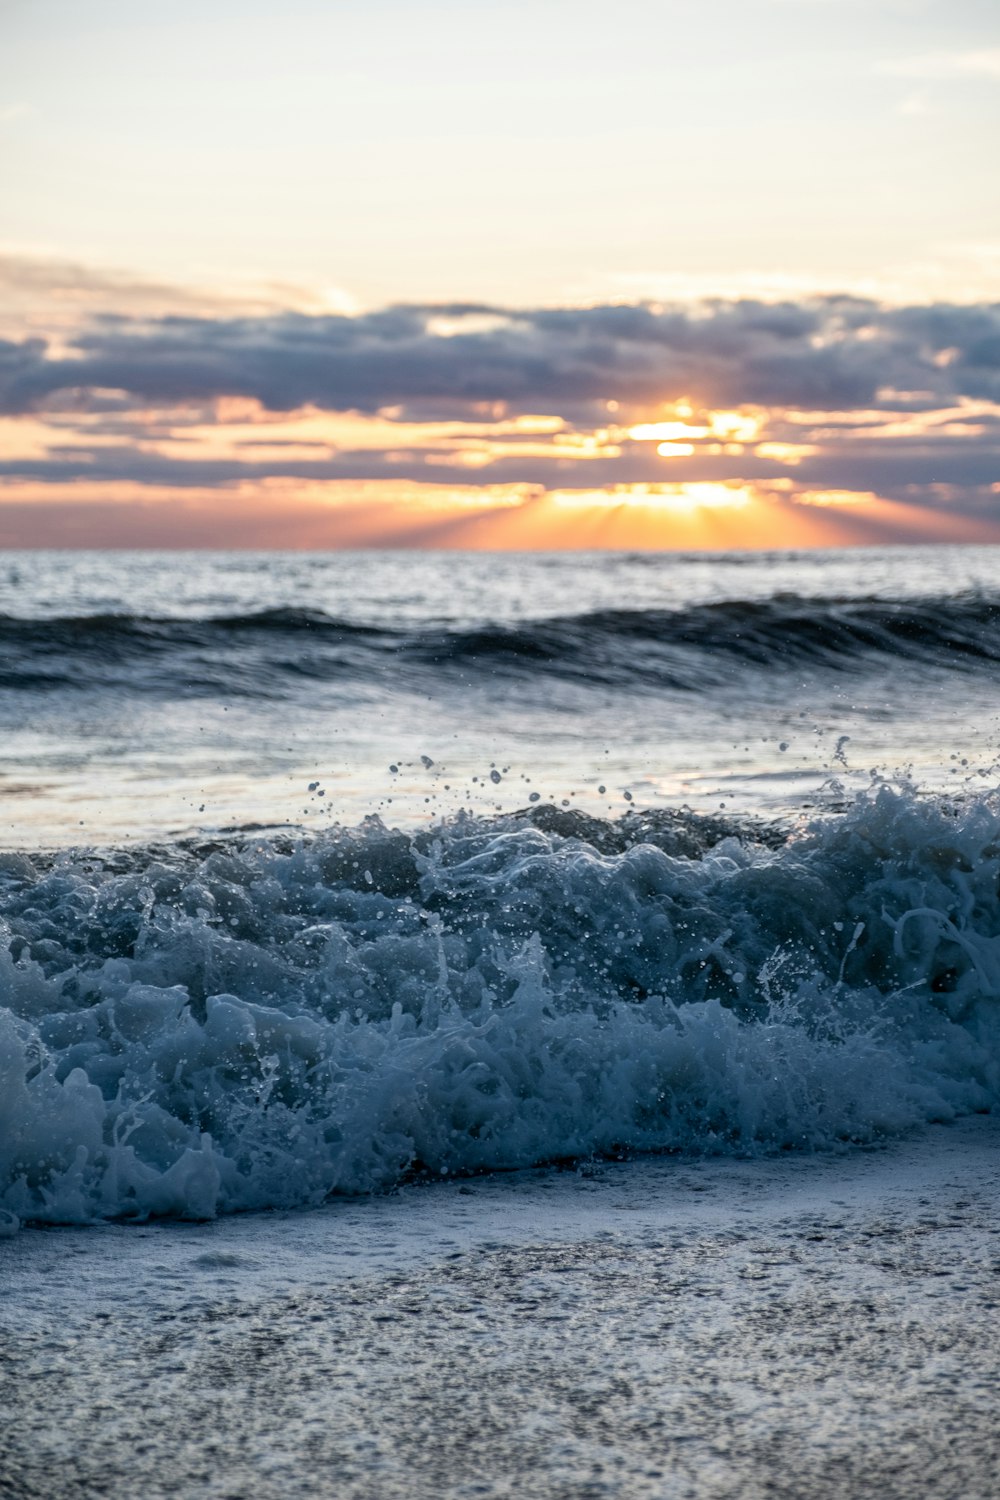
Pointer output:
x,y
268,652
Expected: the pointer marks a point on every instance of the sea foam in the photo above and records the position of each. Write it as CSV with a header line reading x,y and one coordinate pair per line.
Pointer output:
x,y
197,1029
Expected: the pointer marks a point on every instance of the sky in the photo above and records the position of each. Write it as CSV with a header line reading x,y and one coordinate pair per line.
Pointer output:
x,y
427,273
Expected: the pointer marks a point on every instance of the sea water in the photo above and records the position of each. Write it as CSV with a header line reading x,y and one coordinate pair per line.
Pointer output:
x,y
322,873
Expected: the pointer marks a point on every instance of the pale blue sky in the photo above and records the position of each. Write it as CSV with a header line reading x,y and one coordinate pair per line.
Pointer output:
x,y
517,152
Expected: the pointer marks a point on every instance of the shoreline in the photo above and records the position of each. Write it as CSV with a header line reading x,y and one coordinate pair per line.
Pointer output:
x,y
665,1327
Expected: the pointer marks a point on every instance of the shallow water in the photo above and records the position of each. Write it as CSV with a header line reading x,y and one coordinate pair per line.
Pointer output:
x,y
797,1327
144,695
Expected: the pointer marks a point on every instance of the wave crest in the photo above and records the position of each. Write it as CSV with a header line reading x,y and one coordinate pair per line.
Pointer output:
x,y
267,652
219,1027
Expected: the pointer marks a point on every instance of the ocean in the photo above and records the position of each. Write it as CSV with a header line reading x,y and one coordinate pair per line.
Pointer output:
x,y
591,965
151,695
325,871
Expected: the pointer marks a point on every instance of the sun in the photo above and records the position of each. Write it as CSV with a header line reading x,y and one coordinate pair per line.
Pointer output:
x,y
679,437
676,499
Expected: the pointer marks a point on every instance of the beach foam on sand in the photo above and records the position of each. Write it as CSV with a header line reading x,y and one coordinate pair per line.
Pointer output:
x,y
788,1327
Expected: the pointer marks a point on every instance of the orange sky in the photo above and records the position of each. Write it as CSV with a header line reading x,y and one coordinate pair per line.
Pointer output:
x,y
88,463
333,516
429,275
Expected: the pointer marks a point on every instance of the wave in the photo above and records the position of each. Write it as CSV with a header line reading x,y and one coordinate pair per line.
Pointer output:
x,y
254,655
212,1027
266,653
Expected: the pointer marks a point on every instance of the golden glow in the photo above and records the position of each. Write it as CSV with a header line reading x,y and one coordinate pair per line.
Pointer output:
x,y
735,426
952,421
836,497
682,499
727,426
785,453
585,444
468,323
446,482
291,514
665,432
24,438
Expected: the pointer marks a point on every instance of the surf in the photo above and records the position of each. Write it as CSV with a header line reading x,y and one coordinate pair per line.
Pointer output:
x,y
212,1026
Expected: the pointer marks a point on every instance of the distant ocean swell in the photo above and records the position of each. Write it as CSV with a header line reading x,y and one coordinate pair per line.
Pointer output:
x,y
199,1029
270,652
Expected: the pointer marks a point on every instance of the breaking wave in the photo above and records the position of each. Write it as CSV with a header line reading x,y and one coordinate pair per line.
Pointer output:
x,y
204,1028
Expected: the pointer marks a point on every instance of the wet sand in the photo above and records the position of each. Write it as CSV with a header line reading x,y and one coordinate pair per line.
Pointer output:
x,y
804,1326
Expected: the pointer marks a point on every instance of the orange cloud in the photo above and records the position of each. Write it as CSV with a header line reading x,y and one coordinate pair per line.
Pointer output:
x,y
419,426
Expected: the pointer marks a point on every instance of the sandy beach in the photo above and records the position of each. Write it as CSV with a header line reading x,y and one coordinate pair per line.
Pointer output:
x,y
797,1326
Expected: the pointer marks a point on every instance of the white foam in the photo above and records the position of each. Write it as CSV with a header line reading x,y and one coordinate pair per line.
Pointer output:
x,y
267,1026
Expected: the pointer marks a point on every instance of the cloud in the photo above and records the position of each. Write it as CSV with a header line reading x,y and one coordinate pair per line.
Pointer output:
x,y
832,353
902,468
57,295
821,395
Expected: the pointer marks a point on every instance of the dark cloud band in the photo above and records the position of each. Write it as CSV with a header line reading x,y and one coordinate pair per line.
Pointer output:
x,y
832,354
